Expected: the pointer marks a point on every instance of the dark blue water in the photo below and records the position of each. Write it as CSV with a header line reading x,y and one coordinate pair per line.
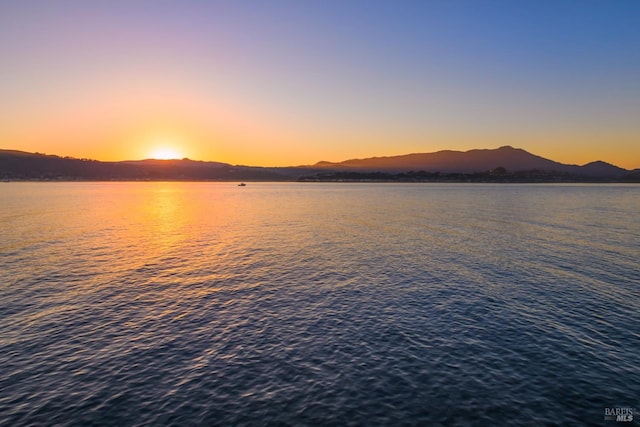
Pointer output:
x,y
318,304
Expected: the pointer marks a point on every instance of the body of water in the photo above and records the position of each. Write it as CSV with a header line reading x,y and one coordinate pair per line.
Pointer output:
x,y
318,304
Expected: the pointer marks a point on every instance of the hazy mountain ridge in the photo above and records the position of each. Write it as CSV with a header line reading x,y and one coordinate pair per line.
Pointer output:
x,y
502,164
24,166
474,161
184,162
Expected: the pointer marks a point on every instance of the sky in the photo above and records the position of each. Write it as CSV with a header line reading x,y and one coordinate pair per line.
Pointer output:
x,y
281,83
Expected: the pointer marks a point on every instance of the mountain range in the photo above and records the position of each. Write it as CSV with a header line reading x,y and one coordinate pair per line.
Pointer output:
x,y
501,164
474,161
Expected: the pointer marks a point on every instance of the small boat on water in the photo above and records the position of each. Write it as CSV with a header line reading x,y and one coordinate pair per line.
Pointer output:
x,y
242,184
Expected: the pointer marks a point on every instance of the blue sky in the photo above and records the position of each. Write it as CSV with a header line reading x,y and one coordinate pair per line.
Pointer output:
x,y
293,82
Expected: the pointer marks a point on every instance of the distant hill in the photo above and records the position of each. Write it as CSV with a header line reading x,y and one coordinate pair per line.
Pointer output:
x,y
473,161
18,165
504,164
184,163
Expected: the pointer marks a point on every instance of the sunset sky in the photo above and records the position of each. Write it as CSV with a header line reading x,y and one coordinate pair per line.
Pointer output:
x,y
278,83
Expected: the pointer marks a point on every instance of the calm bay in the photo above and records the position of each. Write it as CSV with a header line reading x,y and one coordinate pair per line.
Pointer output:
x,y
169,303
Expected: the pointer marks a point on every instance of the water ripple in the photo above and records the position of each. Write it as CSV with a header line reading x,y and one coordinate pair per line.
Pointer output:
x,y
289,304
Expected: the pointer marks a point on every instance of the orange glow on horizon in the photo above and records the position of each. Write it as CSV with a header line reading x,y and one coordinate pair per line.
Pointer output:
x,y
165,153
161,144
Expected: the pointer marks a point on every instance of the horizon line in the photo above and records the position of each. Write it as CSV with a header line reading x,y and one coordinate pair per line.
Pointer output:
x,y
186,158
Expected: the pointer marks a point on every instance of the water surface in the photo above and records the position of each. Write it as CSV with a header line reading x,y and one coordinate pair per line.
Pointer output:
x,y
318,304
